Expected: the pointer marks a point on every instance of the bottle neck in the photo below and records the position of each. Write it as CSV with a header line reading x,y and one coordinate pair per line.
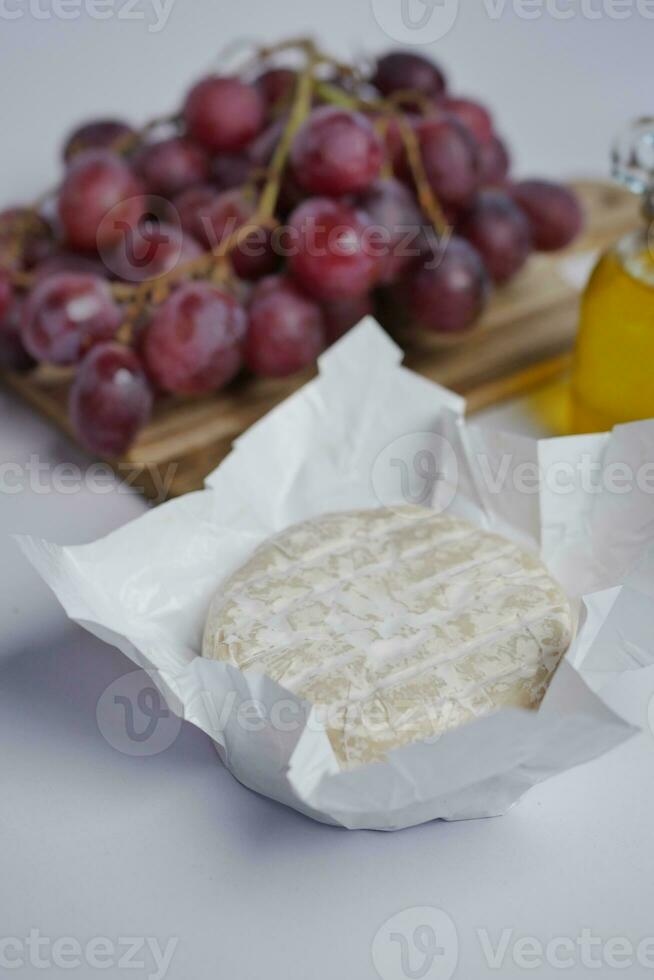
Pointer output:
x,y
635,253
647,205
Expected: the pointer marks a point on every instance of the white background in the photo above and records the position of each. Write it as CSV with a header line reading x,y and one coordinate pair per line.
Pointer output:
x,y
97,843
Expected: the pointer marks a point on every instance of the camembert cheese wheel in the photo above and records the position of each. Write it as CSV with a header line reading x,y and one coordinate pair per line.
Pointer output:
x,y
396,624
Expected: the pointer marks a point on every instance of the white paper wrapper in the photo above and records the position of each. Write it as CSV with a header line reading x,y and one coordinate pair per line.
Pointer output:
x,y
335,445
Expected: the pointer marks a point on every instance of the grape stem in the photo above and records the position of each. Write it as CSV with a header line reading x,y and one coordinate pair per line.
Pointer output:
x,y
426,197
299,111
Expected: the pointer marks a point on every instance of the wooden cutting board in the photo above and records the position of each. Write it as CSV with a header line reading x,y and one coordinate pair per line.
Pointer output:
x,y
524,338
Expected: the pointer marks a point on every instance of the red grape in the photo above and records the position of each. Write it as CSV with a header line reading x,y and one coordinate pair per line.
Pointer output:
x,y
450,158
473,115
64,261
13,356
65,313
194,341
6,293
261,149
277,86
402,71
500,232
339,315
171,166
255,256
450,288
225,214
285,332
336,151
98,185
290,193
150,250
393,209
552,210
494,163
110,399
332,254
223,113
230,170
99,134
192,205
37,249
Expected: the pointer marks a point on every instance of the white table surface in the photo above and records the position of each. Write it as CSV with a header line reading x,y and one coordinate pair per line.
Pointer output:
x,y
97,843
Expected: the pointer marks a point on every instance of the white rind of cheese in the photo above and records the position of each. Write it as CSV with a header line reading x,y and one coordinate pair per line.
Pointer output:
x,y
397,624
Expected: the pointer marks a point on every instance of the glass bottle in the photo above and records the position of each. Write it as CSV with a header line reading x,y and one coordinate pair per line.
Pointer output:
x,y
613,371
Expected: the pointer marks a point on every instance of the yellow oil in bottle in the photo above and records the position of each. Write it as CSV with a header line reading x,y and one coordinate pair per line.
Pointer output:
x,y
613,376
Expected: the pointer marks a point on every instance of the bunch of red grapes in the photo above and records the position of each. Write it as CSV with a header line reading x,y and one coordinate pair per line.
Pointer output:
x,y
256,227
